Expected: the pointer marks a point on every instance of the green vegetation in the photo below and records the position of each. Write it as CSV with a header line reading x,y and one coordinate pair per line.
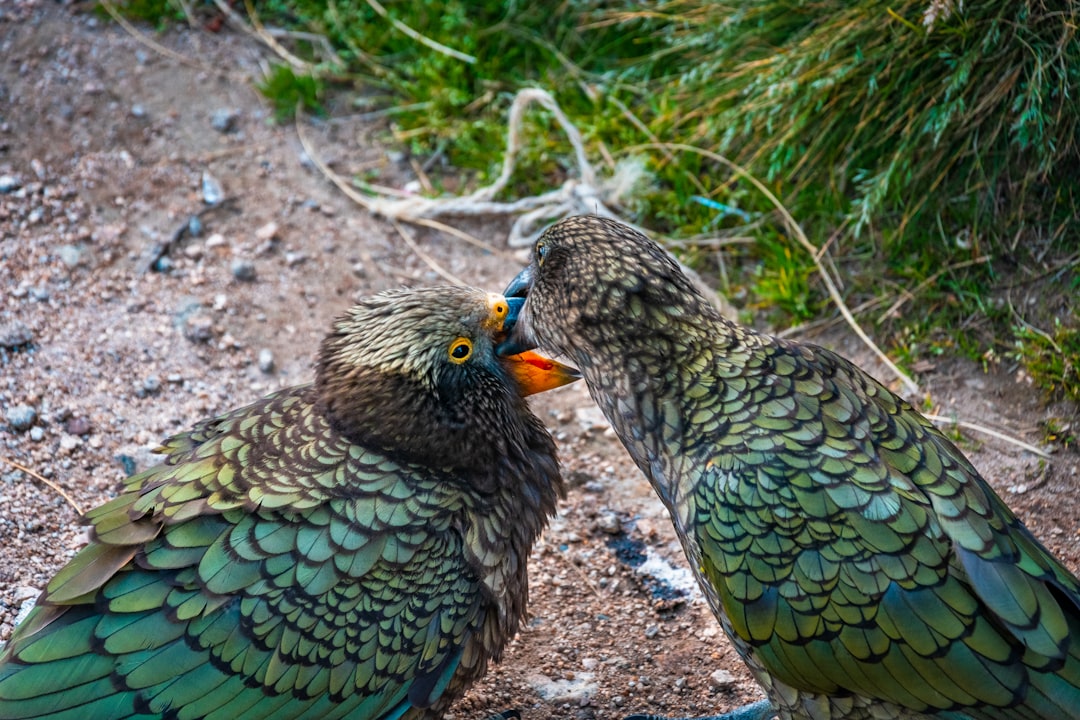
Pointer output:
x,y
932,146
285,89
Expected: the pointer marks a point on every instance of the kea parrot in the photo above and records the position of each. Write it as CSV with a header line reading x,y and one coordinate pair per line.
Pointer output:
x,y
353,548
860,565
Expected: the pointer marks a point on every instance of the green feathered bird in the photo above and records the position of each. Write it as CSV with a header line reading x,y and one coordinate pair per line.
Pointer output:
x,y
858,562
354,548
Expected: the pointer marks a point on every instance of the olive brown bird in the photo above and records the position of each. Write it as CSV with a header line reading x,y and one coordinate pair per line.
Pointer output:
x,y
353,548
858,562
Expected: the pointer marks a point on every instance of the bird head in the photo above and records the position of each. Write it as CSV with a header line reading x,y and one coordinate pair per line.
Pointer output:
x,y
415,373
596,287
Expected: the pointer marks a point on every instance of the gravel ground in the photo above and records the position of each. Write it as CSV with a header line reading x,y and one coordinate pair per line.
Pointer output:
x,y
123,320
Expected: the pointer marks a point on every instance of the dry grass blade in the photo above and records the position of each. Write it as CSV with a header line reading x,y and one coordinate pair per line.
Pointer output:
x,y
910,386
270,41
56,488
942,420
893,310
365,202
426,41
150,43
428,260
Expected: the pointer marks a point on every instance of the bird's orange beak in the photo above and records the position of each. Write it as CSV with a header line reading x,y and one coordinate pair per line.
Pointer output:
x,y
535,373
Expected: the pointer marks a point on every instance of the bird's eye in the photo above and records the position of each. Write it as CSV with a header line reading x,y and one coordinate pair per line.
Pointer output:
x,y
460,350
541,252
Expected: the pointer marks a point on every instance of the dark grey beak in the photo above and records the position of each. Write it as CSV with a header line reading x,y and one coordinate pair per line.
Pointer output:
x,y
519,286
517,340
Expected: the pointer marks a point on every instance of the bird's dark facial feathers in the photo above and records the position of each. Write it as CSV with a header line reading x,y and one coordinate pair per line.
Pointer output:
x,y
389,380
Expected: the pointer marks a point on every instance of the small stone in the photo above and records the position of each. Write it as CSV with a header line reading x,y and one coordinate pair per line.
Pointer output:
x,y
268,231
591,419
9,183
70,255
21,417
14,334
215,240
359,270
150,386
609,523
722,680
224,119
138,111
292,259
266,360
78,426
243,270
211,189
37,433
194,251
652,631
194,226
198,328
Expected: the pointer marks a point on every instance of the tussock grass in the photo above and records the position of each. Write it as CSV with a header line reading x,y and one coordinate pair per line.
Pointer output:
x,y
932,146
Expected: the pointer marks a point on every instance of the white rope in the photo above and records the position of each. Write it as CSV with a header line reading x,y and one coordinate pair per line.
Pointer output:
x,y
582,195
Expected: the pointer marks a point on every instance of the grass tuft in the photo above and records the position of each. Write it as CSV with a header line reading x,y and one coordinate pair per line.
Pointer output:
x,y
933,143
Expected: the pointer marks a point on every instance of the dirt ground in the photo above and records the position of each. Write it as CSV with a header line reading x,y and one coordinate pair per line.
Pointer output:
x,y
112,337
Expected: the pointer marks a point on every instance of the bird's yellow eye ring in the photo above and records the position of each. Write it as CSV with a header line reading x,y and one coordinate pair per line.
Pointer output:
x,y
460,350
541,252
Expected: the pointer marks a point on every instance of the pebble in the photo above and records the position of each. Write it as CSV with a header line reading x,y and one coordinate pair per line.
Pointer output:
x,y
150,386
37,433
138,110
9,183
722,680
359,270
20,417
609,523
266,360
194,226
268,231
70,255
292,259
211,189
652,631
78,426
198,328
243,270
14,334
224,119
591,419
